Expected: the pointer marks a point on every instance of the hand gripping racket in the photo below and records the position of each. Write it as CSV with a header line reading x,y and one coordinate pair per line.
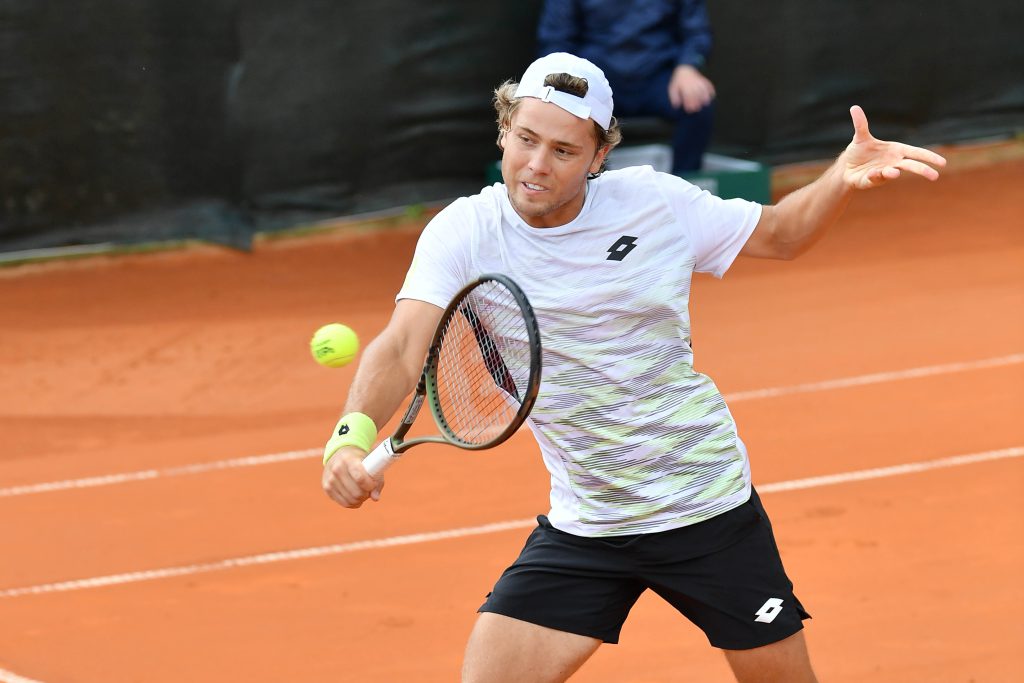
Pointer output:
x,y
481,375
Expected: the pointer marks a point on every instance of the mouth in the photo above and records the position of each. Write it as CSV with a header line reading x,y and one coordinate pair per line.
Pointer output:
x,y
530,187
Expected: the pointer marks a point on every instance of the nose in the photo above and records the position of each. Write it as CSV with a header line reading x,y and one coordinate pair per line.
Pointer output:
x,y
538,161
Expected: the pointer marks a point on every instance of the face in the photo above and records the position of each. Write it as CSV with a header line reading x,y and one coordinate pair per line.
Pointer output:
x,y
548,154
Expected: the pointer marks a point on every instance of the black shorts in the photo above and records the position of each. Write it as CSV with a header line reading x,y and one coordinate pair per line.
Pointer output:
x,y
724,574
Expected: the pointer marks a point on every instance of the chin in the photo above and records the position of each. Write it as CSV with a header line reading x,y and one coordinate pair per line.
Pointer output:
x,y
524,207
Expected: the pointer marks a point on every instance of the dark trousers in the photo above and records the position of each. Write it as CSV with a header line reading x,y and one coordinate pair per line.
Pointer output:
x,y
649,97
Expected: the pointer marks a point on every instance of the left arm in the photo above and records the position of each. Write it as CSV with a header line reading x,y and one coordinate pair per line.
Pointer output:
x,y
792,226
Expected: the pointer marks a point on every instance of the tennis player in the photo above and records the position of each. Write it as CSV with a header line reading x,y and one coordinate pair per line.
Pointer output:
x,y
650,482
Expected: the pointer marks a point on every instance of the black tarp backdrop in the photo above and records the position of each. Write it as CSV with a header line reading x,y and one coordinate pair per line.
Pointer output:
x,y
115,112
139,120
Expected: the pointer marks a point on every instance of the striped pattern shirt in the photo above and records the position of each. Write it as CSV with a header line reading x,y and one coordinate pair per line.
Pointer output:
x,y
635,439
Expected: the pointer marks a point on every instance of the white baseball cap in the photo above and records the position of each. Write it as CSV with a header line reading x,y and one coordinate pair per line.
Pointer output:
x,y
596,104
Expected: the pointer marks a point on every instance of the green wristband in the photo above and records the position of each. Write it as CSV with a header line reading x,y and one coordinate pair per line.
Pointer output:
x,y
354,429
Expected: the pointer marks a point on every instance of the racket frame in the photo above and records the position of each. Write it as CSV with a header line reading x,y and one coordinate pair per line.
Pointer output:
x,y
391,448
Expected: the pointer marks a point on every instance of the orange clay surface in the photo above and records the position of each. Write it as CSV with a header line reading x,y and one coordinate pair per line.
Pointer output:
x,y
154,363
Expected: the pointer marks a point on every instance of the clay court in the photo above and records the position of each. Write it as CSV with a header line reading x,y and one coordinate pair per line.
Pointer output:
x,y
161,517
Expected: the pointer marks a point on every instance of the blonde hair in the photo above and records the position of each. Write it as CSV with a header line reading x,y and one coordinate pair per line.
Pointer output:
x,y
505,105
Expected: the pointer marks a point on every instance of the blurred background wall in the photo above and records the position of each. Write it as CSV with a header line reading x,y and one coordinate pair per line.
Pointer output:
x,y
140,120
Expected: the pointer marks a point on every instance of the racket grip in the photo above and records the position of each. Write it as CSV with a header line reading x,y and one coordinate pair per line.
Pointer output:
x,y
381,458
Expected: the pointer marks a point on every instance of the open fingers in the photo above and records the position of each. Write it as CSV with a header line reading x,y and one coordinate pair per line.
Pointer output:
x,y
919,168
918,160
861,133
924,155
877,176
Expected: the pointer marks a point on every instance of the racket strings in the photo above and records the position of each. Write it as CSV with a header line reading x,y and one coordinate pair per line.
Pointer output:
x,y
483,368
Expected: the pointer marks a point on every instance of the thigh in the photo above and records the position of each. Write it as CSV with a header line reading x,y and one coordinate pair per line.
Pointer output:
x,y
785,660
503,649
568,583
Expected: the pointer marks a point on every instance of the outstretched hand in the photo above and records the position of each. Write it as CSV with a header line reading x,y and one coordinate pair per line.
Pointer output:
x,y
871,162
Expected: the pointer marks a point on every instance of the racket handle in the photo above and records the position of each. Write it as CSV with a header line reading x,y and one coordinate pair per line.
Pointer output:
x,y
381,458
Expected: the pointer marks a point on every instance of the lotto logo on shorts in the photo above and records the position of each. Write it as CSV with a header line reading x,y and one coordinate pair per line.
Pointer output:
x,y
769,610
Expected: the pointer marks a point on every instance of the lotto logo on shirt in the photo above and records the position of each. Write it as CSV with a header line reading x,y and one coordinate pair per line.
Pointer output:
x,y
621,248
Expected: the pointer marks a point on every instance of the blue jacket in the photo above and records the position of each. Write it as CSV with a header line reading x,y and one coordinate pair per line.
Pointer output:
x,y
627,38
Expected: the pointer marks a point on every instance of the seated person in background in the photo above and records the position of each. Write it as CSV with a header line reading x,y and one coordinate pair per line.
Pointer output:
x,y
651,53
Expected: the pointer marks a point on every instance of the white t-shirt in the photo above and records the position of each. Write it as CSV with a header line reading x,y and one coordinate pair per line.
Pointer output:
x,y
635,440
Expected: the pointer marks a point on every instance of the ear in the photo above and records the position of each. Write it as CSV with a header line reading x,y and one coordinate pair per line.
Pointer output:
x,y
501,139
599,158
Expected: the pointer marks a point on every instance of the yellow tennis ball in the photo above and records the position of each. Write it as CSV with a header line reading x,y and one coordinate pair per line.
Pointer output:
x,y
334,345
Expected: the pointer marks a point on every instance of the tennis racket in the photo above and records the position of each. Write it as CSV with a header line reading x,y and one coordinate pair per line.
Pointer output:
x,y
481,375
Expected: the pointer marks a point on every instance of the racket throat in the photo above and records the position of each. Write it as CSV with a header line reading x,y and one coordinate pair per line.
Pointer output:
x,y
414,408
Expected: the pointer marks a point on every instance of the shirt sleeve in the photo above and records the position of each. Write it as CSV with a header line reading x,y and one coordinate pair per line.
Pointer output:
x,y
558,29
438,269
717,228
694,33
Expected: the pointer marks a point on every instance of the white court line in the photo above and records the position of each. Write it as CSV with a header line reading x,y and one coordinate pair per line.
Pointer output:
x,y
428,537
9,677
126,477
861,380
878,377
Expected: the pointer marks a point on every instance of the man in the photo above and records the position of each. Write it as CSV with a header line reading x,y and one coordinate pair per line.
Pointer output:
x,y
650,481
652,53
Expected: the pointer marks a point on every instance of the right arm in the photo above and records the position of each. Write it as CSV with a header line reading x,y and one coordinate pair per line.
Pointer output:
x,y
387,373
